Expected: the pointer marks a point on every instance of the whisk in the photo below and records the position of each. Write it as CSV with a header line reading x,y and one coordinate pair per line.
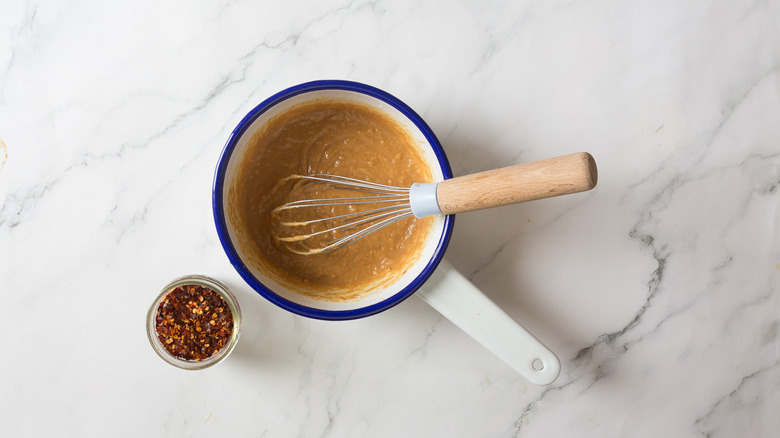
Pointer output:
x,y
386,204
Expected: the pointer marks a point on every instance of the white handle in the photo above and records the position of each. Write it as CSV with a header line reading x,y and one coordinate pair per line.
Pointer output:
x,y
467,307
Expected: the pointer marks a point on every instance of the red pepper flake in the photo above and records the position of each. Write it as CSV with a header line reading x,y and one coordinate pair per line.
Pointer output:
x,y
193,322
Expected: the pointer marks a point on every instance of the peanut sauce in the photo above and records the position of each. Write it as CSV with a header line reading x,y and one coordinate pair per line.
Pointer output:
x,y
334,137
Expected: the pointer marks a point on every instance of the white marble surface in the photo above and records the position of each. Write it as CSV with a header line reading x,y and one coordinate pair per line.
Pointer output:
x,y
659,290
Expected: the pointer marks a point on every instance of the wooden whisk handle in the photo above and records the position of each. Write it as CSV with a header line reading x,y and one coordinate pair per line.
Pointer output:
x,y
523,182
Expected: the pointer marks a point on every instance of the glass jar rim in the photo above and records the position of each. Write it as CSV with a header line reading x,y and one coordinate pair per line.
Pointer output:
x,y
221,290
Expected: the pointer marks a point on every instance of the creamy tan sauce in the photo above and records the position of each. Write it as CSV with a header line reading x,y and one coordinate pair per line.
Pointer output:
x,y
334,137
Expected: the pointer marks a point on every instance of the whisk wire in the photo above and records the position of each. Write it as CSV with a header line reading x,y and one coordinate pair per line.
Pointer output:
x,y
352,182
347,226
326,202
365,221
352,215
344,241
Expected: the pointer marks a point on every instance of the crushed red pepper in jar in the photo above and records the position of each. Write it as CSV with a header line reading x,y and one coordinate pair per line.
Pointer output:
x,y
193,322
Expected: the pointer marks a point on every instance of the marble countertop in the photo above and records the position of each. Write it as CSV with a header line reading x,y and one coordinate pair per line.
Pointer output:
x,y
659,290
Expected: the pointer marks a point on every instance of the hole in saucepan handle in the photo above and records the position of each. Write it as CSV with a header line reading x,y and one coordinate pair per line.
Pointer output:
x,y
537,365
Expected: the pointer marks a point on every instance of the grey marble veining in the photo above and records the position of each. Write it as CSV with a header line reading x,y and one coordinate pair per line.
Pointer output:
x,y
659,290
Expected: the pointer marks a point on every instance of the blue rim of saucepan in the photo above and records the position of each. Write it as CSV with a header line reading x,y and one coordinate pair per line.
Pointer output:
x,y
230,250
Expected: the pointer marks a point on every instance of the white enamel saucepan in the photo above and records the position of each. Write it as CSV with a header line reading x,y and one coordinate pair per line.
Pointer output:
x,y
431,278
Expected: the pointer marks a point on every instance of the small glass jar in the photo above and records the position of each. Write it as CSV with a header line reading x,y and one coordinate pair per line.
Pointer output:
x,y
222,291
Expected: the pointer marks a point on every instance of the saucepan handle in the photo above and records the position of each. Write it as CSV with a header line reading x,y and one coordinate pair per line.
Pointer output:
x,y
461,302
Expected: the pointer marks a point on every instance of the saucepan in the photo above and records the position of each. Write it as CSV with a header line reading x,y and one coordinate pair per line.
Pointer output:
x,y
431,278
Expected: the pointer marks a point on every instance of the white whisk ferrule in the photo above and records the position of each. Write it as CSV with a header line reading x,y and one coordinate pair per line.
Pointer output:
x,y
423,200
